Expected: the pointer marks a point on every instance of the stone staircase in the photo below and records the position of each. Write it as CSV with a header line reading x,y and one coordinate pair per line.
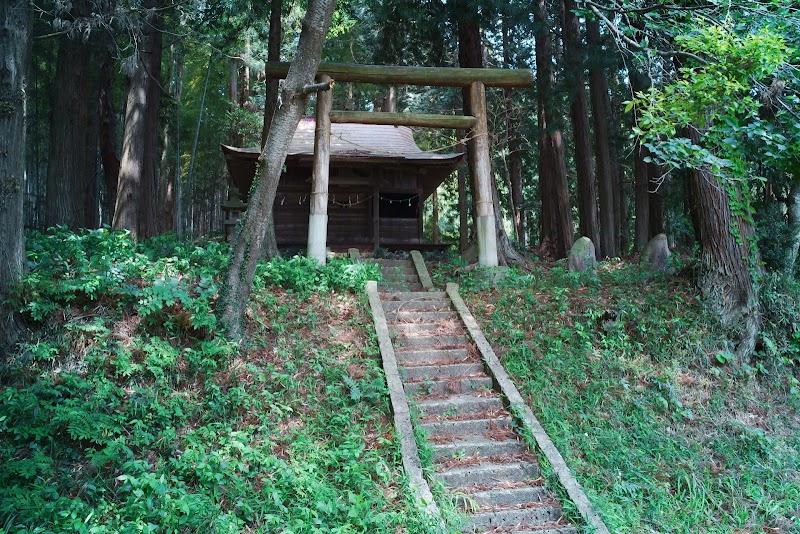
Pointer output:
x,y
477,452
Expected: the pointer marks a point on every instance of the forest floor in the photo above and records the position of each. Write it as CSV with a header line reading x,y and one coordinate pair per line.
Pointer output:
x,y
631,378
125,411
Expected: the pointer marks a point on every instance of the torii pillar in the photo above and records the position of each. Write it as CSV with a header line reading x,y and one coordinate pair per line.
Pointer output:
x,y
481,164
318,215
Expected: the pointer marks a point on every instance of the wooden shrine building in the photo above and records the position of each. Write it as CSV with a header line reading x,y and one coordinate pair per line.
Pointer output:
x,y
378,181
376,159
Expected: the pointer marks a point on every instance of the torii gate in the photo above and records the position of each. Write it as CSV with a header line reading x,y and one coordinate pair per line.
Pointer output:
x,y
475,79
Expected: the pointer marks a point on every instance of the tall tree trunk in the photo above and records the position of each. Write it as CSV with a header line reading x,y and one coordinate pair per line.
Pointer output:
x,y
728,263
136,190
248,244
270,106
642,196
556,223
463,222
579,114
469,55
617,179
67,167
512,141
15,44
177,186
598,89
107,135
793,219
656,199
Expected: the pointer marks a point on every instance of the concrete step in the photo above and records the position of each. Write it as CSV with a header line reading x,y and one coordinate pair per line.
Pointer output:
x,y
450,386
437,372
416,306
476,445
516,516
412,358
398,270
399,275
392,263
467,427
488,473
429,342
460,404
407,295
506,497
422,329
400,287
412,316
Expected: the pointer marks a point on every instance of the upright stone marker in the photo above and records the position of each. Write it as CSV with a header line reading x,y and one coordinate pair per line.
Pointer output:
x,y
582,256
656,255
318,216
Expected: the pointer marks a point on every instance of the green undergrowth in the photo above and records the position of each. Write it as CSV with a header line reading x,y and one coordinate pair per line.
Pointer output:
x,y
127,411
631,379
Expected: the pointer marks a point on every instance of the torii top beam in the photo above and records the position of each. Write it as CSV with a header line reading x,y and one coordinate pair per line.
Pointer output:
x,y
398,75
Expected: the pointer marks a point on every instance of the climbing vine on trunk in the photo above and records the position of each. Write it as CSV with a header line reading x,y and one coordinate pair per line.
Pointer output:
x,y
703,122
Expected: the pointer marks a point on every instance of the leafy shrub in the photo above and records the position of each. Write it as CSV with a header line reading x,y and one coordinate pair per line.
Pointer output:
x,y
304,276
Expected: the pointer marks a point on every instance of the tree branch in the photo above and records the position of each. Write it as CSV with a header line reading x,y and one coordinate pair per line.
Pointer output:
x,y
317,87
620,36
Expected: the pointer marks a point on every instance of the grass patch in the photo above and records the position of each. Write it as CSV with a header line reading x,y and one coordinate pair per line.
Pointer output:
x,y
624,373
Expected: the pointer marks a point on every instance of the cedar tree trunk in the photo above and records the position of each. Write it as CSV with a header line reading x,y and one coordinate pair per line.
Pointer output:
x,y
15,42
556,223
579,114
248,244
67,168
136,190
598,89
728,264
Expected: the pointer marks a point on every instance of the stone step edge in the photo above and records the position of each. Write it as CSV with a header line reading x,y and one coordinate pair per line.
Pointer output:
x,y
527,420
401,412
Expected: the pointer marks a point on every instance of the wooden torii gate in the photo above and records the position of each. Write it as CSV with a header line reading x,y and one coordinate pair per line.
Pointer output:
x,y
475,79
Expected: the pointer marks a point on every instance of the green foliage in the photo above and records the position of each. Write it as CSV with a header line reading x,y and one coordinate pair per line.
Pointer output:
x,y
304,276
127,412
624,374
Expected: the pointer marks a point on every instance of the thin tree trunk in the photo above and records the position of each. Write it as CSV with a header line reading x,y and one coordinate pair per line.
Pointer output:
x,y
642,196
178,214
617,180
514,166
248,244
728,263
793,219
463,222
189,196
598,88
579,114
67,166
555,223
656,199
270,106
15,50
435,217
